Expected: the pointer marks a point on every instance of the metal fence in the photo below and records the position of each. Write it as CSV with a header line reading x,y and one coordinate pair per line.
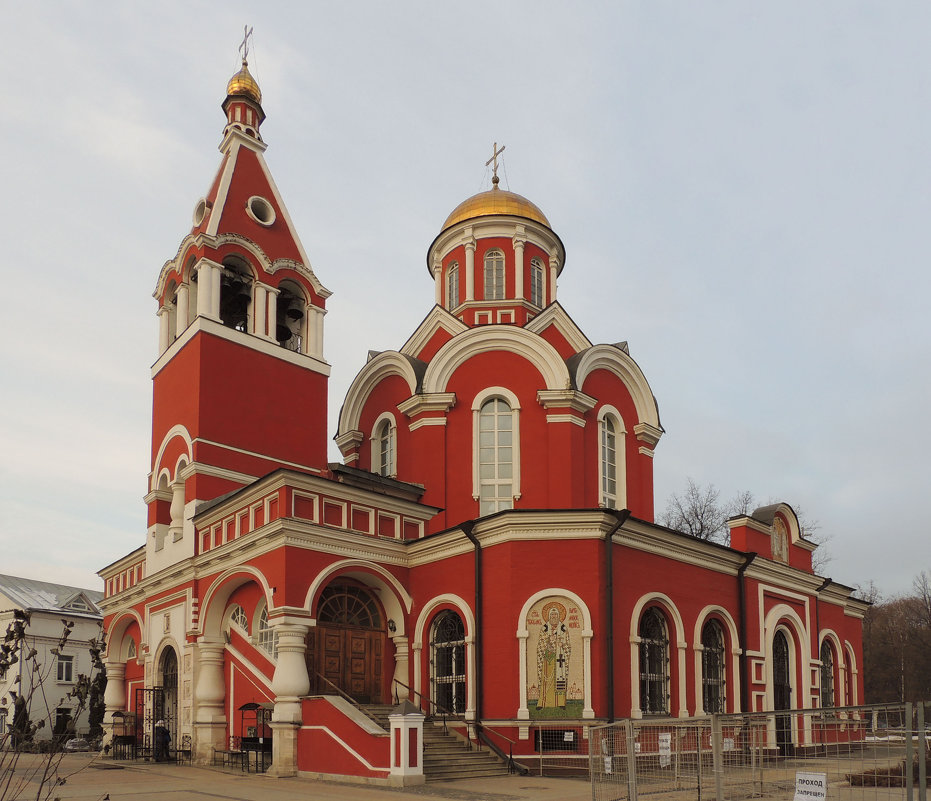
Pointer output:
x,y
559,750
844,754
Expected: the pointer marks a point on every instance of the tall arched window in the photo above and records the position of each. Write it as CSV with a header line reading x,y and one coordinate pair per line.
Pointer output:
x,y
608,464
712,668
448,658
654,663
384,446
494,275
495,456
452,286
828,698
536,282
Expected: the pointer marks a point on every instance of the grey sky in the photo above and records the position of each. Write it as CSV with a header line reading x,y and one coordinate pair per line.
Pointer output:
x,y
741,189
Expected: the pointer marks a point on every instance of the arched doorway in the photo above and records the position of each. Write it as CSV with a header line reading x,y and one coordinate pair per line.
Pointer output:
x,y
782,692
448,660
346,648
169,676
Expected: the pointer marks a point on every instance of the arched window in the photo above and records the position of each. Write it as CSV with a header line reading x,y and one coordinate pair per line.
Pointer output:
x,y
265,636
452,286
654,663
712,668
384,446
536,282
131,652
238,617
495,456
780,541
608,464
448,658
348,605
494,275
827,676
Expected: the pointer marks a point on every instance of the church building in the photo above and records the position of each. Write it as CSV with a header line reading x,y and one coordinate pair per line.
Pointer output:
x,y
485,552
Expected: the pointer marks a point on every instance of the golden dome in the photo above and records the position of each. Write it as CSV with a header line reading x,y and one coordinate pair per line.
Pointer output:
x,y
495,201
242,83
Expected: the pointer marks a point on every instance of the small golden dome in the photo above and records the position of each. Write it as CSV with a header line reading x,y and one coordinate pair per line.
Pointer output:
x,y
495,201
242,83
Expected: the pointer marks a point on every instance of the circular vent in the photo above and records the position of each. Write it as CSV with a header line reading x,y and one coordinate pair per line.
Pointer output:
x,y
260,210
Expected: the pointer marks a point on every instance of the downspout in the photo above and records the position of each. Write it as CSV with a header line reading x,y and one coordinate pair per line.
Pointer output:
x,y
467,530
742,602
818,625
621,516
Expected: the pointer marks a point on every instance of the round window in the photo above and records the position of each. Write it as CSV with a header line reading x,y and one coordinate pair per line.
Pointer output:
x,y
260,210
200,211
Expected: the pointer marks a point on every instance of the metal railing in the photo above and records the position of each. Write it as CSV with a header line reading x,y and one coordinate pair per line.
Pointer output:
x,y
850,753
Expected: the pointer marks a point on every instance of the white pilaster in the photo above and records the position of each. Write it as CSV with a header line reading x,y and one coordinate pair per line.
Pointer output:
x,y
271,310
554,268
437,283
518,243
261,305
164,335
470,267
182,313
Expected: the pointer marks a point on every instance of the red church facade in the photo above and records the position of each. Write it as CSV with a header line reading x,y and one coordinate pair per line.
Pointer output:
x,y
487,549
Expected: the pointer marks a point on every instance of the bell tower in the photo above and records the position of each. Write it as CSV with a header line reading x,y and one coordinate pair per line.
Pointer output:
x,y
240,383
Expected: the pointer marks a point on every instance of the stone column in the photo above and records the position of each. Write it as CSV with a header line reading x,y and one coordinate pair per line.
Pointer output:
x,y
164,331
114,697
208,290
289,684
518,243
271,311
470,268
406,746
209,701
261,326
438,282
176,529
401,669
554,267
182,310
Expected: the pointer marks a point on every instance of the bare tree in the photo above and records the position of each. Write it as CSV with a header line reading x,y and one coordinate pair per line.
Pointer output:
x,y
697,512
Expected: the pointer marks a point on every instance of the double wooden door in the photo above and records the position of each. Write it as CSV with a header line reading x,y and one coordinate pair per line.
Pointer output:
x,y
352,659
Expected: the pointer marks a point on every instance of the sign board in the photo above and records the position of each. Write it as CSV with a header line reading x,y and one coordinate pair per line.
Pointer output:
x,y
728,743
811,786
665,750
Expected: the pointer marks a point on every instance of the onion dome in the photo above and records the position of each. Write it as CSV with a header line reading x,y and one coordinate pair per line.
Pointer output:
x,y
492,202
244,85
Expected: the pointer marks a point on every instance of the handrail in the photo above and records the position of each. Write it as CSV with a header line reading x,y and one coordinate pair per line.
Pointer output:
x,y
430,702
338,690
513,767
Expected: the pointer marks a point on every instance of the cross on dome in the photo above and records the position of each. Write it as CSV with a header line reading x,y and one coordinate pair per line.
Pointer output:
x,y
494,159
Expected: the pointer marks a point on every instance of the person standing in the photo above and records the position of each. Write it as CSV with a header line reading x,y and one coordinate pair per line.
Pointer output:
x,y
162,742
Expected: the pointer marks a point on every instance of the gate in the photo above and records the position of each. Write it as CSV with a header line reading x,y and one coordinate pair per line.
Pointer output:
x,y
150,708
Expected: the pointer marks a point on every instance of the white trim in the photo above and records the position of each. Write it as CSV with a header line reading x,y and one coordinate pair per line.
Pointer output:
x,y
380,367
349,749
732,656
614,360
523,635
672,613
175,431
210,622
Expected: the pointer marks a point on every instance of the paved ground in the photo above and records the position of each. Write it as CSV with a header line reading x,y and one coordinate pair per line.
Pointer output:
x,y
96,779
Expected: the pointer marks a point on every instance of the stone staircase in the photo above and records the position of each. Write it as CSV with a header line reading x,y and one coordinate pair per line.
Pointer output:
x,y
445,756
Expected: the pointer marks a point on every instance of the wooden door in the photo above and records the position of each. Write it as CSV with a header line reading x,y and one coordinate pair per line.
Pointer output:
x,y
350,659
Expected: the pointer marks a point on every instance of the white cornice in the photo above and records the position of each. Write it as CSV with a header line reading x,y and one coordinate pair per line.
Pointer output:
x,y
566,398
264,346
648,433
433,402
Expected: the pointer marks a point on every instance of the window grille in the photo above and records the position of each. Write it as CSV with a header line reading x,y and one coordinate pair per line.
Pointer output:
x,y
449,662
827,675
239,618
347,605
654,663
713,668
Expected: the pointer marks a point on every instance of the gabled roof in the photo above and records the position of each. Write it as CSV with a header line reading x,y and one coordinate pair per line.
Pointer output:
x,y
44,596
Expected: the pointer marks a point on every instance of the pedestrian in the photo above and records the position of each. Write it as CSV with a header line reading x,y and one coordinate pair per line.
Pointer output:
x,y
162,741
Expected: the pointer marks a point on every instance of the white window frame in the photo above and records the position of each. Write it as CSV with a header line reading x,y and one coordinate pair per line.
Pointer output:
x,y
492,393
537,283
619,499
238,618
265,638
493,273
452,285
65,669
377,438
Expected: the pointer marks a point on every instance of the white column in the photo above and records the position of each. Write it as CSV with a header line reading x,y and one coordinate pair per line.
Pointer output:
x,y
181,315
401,668
261,303
176,529
215,281
319,314
164,336
289,684
470,269
438,282
208,288
554,264
518,267
209,698
114,697
271,311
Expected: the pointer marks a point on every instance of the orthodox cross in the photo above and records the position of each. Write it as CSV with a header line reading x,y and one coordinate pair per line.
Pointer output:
x,y
494,159
244,47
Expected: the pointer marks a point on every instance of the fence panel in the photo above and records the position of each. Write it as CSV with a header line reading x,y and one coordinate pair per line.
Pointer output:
x,y
844,754
561,750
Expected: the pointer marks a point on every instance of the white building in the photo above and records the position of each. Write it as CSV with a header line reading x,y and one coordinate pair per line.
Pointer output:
x,y
48,605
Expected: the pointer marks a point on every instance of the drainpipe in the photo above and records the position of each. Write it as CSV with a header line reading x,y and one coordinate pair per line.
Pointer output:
x,y
467,530
742,603
818,622
621,516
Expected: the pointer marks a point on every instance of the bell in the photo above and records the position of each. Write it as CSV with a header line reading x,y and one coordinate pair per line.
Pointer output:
x,y
294,313
282,333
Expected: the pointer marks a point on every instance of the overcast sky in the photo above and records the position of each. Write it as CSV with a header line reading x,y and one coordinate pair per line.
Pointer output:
x,y
742,189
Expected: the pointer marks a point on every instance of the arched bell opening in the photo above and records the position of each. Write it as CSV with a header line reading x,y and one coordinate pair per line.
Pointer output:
x,y
235,294
346,650
290,323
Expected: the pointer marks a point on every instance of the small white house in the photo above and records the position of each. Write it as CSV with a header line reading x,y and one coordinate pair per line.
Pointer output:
x,y
48,606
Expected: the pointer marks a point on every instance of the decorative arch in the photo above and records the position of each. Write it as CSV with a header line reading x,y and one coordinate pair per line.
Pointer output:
x,y
783,617
116,631
396,601
616,361
427,614
671,611
733,684
523,638
213,608
460,349
175,431
375,371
